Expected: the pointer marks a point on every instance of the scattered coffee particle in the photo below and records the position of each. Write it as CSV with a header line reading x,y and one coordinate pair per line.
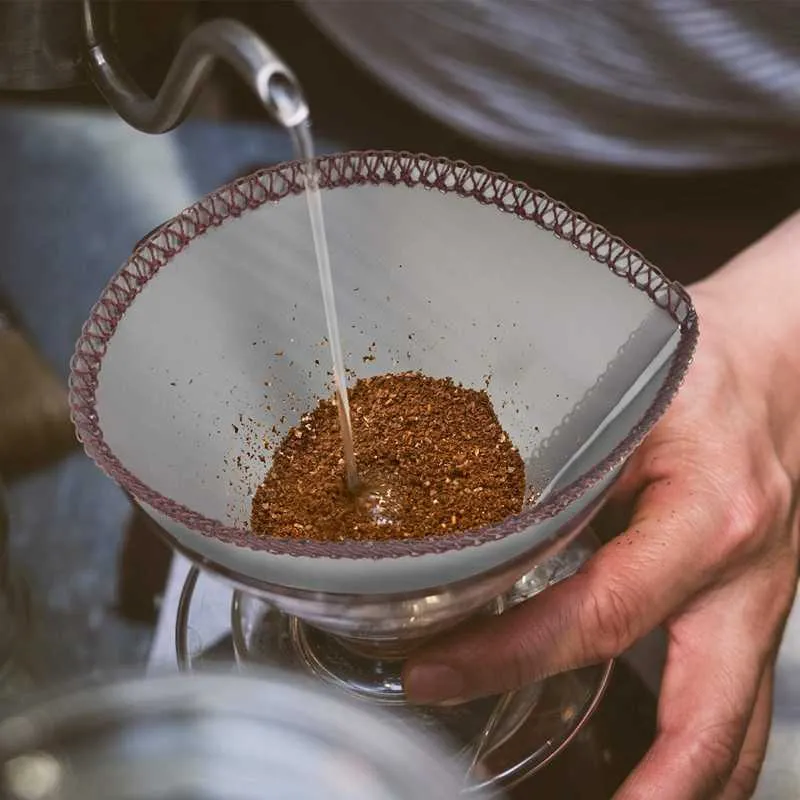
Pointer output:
x,y
432,458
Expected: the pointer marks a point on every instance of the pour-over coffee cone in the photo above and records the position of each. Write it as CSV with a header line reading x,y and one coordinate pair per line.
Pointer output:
x,y
211,339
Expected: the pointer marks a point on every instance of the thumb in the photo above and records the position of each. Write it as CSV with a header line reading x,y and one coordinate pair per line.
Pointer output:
x,y
630,586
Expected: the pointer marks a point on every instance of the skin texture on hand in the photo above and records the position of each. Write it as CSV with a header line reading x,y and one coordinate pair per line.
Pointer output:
x,y
711,551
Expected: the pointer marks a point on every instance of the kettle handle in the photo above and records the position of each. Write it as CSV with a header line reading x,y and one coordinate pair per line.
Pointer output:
x,y
224,39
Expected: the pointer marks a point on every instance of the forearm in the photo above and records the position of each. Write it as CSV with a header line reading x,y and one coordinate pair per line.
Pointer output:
x,y
754,302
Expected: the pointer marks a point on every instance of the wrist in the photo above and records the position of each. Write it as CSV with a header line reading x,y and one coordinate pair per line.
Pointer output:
x,y
751,309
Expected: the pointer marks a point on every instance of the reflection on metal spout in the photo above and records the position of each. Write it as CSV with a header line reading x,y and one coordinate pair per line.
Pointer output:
x,y
223,39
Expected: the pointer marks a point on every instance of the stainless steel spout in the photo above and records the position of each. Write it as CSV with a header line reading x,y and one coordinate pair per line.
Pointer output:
x,y
222,39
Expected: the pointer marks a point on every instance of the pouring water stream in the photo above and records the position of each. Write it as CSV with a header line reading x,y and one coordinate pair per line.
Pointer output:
x,y
304,148
288,106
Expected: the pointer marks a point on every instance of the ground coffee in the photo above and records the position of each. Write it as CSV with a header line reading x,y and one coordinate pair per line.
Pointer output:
x,y
432,459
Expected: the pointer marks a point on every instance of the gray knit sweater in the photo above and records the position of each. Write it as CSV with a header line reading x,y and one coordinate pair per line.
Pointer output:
x,y
659,84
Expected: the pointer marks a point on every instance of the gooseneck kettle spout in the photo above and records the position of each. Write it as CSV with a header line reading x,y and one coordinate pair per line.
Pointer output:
x,y
222,39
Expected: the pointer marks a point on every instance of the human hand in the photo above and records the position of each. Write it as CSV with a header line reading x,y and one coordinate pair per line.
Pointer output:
x,y
711,552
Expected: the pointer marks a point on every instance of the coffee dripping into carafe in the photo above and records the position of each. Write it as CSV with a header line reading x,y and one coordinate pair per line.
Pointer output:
x,y
46,45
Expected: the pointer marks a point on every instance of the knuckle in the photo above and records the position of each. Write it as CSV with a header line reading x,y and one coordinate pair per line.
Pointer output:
x,y
715,753
518,655
607,624
741,522
519,671
779,495
755,510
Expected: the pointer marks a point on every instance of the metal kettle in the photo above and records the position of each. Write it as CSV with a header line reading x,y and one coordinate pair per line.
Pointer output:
x,y
53,44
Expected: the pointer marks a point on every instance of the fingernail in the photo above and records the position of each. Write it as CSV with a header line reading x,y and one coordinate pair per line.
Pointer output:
x,y
434,684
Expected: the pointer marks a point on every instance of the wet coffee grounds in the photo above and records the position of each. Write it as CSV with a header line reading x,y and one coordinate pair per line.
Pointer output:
x,y
432,459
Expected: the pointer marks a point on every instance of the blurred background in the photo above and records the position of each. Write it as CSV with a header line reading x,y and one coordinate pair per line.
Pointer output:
x,y
83,574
